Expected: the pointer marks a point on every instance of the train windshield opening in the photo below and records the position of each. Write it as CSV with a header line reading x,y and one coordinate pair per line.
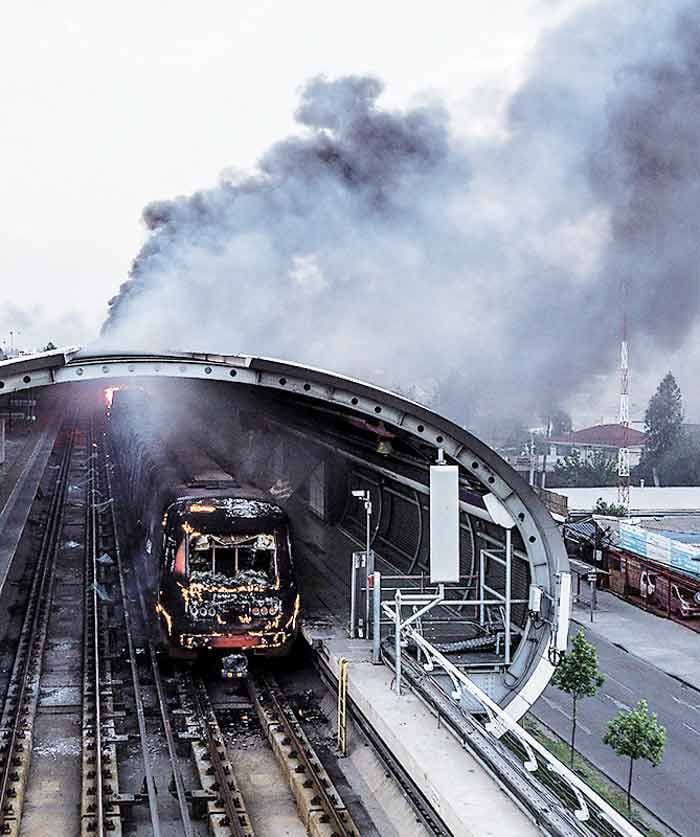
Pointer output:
x,y
234,555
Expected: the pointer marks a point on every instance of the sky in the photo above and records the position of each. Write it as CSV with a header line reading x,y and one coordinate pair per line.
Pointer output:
x,y
107,107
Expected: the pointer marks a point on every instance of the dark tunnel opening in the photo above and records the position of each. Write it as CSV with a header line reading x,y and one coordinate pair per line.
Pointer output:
x,y
305,440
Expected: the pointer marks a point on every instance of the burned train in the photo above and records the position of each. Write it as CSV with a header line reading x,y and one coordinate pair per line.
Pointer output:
x,y
217,555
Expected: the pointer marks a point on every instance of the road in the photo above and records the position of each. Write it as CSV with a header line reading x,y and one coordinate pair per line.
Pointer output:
x,y
672,790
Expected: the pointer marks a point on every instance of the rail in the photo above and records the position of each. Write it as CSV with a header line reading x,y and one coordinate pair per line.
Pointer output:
x,y
97,812
274,708
224,800
103,526
227,790
23,689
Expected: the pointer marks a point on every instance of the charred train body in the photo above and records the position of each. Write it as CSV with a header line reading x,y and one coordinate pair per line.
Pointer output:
x,y
217,555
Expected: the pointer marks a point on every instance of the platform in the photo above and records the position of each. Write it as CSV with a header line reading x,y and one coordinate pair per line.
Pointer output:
x,y
460,790
15,511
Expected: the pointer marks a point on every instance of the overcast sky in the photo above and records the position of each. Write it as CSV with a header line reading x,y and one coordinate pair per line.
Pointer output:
x,y
109,106
106,107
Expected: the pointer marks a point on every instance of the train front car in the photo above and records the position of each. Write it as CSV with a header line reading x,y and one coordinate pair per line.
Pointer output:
x,y
212,555
227,582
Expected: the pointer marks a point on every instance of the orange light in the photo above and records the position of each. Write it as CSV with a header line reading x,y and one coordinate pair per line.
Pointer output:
x,y
201,507
108,394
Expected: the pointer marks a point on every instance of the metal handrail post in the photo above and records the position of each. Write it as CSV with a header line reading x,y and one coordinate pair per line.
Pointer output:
x,y
376,618
397,643
369,572
353,595
482,610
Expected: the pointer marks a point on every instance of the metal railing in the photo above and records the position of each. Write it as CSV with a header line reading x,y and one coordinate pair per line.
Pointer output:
x,y
467,604
499,721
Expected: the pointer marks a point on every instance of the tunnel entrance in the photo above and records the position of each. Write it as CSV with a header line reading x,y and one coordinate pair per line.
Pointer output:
x,y
306,440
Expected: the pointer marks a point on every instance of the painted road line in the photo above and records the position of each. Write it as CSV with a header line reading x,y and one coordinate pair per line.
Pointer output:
x,y
694,706
692,729
618,703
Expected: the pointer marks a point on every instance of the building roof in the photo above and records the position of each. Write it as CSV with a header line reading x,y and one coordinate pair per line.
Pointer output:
x,y
685,528
612,435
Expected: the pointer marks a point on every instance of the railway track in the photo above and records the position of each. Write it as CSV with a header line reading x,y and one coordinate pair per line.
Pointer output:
x,y
22,694
102,803
149,746
319,802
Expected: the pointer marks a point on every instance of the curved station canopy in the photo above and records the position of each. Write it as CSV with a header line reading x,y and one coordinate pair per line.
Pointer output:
x,y
319,436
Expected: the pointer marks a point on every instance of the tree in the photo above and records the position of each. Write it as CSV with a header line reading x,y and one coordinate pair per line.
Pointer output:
x,y
638,735
609,509
578,675
680,465
49,347
663,419
585,472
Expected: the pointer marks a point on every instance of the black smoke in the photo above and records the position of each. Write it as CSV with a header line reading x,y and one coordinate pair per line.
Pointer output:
x,y
480,276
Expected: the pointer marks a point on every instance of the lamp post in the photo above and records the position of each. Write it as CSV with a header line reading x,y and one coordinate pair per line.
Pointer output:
x,y
366,497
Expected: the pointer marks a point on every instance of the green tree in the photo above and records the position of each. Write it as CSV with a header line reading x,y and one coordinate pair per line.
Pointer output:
x,y
680,465
578,675
663,419
637,734
609,509
576,470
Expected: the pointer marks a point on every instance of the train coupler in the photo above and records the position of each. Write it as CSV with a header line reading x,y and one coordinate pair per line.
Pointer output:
x,y
234,667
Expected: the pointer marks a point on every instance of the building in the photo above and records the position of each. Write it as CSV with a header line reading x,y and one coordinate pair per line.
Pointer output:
x,y
601,438
589,441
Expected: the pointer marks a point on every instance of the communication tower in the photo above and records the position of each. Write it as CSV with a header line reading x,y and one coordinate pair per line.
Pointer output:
x,y
623,455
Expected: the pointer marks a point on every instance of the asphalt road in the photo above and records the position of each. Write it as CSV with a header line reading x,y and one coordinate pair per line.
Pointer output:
x,y
672,790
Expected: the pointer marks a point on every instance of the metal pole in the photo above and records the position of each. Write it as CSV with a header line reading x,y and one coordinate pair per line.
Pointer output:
x,y
397,644
593,591
376,618
368,511
369,559
2,440
509,555
481,587
548,435
353,595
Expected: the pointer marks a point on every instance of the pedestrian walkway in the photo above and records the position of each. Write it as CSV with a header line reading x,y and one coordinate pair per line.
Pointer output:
x,y
16,508
668,645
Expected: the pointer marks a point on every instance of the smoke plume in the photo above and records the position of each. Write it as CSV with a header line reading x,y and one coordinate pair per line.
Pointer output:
x,y
483,277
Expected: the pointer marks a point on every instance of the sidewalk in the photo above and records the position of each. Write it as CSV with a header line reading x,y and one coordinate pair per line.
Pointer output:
x,y
661,642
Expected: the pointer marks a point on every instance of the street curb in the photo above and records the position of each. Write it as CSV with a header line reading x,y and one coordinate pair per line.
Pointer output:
x,y
676,677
